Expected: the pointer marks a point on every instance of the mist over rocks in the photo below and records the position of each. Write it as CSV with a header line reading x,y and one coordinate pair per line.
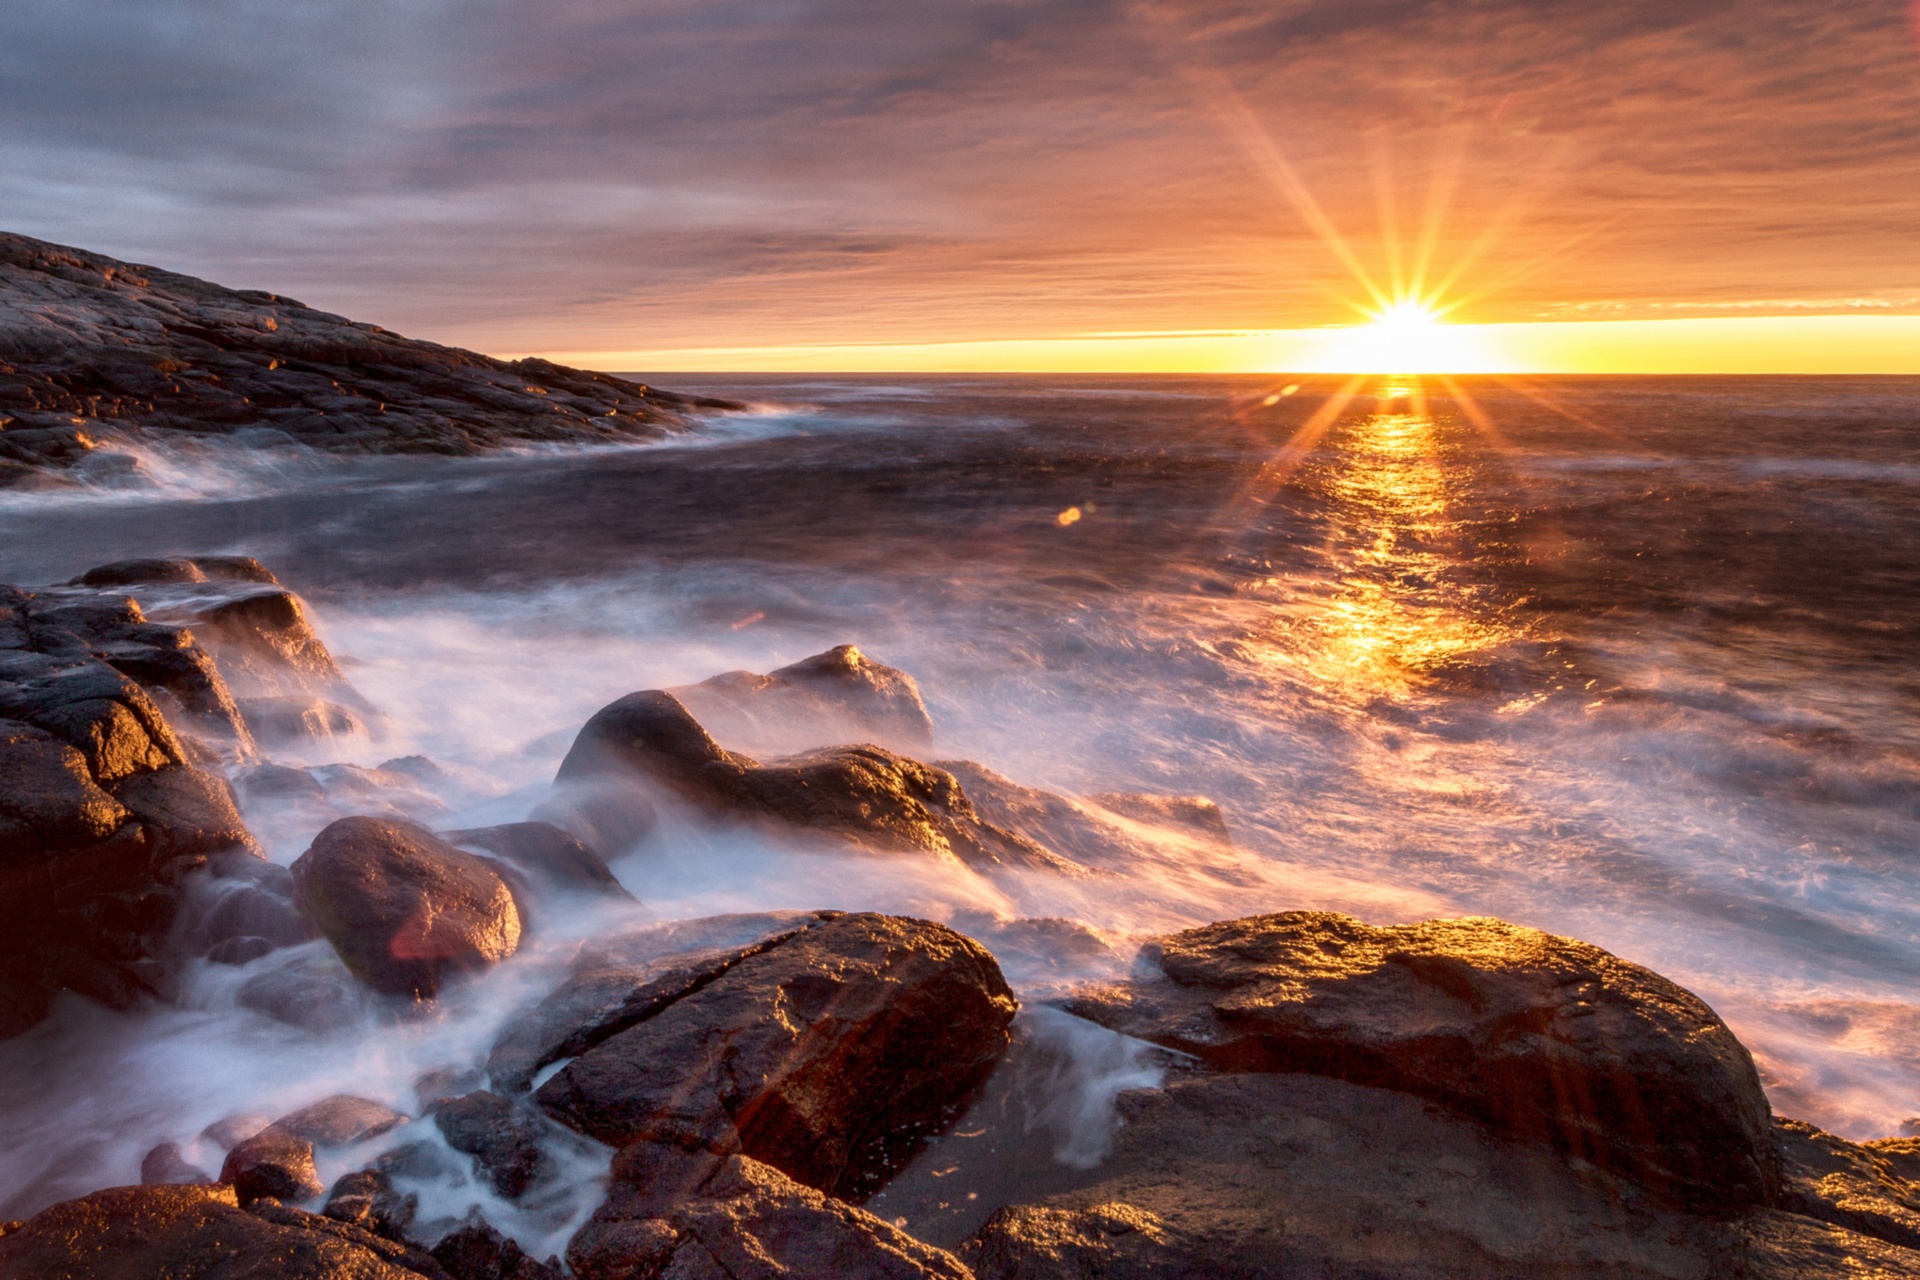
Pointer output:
x,y
93,350
841,695
1542,1037
404,909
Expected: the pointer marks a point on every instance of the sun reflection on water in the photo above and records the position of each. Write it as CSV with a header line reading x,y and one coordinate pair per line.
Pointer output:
x,y
1398,614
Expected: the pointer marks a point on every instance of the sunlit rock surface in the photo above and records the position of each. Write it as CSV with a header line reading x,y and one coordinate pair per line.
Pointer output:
x,y
404,909
829,1055
94,351
1541,1037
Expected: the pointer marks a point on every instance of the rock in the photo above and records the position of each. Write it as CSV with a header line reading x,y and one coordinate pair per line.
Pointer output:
x,y
619,981
126,573
1193,813
1541,1037
339,1121
132,1233
272,1163
102,814
837,696
300,719
138,352
367,1200
1282,1175
307,987
499,1135
1081,831
240,909
829,1055
551,857
164,1166
402,908
477,1252
1871,1188
863,795
738,1218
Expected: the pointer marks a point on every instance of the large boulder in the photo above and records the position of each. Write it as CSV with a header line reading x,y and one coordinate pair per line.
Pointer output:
x,y
103,815
864,795
829,1055
199,1233
1276,1176
841,695
1541,1037
675,1212
404,909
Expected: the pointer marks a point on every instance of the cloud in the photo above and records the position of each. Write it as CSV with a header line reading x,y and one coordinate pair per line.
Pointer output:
x,y
591,173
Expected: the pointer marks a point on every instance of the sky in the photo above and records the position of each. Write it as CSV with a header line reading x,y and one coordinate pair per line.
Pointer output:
x,y
1001,183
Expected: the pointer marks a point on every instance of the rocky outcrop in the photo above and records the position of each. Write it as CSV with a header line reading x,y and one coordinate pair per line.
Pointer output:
x,y
1540,1037
501,1137
678,1212
1273,1176
477,1252
828,1055
93,350
404,909
272,1163
841,695
862,795
367,1199
134,1232
102,812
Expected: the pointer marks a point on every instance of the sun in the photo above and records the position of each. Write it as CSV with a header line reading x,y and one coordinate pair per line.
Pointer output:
x,y
1406,335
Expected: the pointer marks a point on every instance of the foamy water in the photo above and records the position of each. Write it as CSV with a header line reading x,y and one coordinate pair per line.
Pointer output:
x,y
1636,669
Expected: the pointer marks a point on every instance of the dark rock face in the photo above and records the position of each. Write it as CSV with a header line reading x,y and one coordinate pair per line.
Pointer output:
x,y
828,1055
339,1120
140,352
272,1163
136,1233
1541,1037
864,795
498,1134
548,856
705,1215
404,909
241,909
164,1166
367,1200
477,1252
1278,1176
841,695
619,982
102,814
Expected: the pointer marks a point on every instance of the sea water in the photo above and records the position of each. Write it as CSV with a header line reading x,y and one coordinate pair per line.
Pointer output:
x,y
1632,660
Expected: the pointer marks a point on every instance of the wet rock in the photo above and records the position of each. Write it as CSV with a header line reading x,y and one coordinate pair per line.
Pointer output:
x,y
1541,1037
438,1085
300,719
241,909
131,1233
1083,832
141,352
619,981
478,1252
191,813
829,1055
308,987
272,1163
126,573
498,1134
552,858
339,1120
678,1213
863,795
1280,1175
403,909
841,695
1872,1188
164,1166
367,1200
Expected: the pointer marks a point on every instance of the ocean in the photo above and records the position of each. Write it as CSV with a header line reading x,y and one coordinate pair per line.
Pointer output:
x,y
1631,659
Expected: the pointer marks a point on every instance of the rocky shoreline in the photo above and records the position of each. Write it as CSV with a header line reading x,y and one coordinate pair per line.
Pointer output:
x,y
96,353
827,1093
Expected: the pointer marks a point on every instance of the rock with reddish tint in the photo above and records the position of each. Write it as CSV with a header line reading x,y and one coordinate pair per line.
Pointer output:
x,y
272,1163
404,909
552,859
502,1138
165,1166
736,1217
198,1233
1541,1037
478,1252
339,1120
830,1055
841,695
367,1200
863,795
